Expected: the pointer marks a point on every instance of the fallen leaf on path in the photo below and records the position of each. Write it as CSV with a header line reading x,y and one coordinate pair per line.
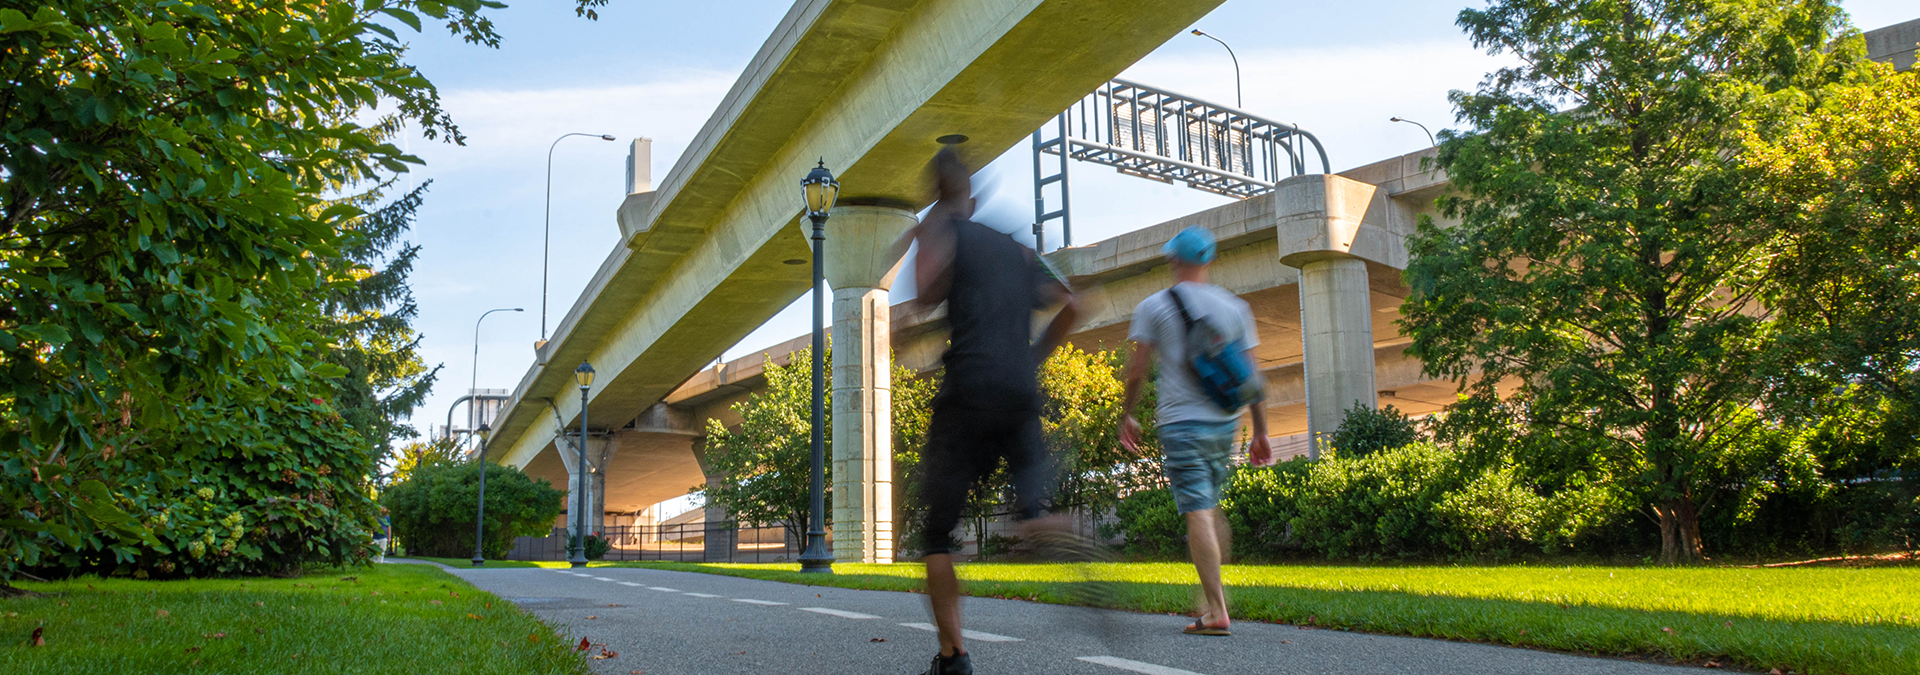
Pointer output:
x,y
593,617
635,672
616,605
604,654
877,640
36,640
583,645
1713,664
1286,642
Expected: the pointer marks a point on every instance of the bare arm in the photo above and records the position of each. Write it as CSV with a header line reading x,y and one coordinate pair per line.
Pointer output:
x,y
1261,450
933,261
1137,364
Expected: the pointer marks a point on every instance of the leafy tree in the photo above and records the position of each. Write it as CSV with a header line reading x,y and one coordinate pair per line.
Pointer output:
x,y
1605,267
418,455
1366,430
767,461
433,510
164,237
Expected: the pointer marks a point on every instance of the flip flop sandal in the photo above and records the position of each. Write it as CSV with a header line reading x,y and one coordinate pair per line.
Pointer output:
x,y
1201,629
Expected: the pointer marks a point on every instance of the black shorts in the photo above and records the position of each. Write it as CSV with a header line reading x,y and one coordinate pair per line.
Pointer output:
x,y
964,446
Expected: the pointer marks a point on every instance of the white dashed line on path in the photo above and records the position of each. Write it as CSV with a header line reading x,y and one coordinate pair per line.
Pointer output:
x,y
968,634
602,579
1135,666
664,589
703,595
629,583
844,614
752,601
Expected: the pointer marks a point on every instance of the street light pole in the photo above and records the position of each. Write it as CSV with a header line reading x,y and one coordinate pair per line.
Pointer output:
x,y
1423,127
584,377
480,517
546,244
820,191
480,453
1238,101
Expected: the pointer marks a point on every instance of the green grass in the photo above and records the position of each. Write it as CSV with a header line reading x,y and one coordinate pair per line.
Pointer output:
x,y
377,619
1807,620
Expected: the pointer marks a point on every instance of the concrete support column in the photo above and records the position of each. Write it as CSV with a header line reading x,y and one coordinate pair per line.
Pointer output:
x,y
860,266
721,540
600,451
1336,317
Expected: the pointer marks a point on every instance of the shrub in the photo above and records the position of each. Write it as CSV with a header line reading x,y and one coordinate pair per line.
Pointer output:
x,y
433,510
1152,525
1260,505
1364,431
597,546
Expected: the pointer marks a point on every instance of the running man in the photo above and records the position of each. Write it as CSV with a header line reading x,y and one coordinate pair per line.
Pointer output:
x,y
1196,434
988,407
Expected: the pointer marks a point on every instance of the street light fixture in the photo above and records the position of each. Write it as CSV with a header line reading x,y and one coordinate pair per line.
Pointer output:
x,y
1237,100
1423,127
480,518
582,376
546,245
820,190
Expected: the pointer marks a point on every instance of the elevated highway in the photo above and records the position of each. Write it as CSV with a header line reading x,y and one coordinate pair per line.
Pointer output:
x,y
866,86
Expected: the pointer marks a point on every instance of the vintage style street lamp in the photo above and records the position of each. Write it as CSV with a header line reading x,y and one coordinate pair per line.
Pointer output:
x,y
820,191
584,377
480,519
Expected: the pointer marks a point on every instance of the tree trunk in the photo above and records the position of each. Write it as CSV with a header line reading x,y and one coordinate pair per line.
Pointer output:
x,y
1679,532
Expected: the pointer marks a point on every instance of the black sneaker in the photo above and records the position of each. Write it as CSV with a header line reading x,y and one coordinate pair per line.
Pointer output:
x,y
958,664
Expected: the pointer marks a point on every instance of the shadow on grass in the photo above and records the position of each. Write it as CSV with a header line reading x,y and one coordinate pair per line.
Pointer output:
x,y
1812,647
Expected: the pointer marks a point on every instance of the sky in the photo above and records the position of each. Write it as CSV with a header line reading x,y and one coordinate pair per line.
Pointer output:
x,y
658,69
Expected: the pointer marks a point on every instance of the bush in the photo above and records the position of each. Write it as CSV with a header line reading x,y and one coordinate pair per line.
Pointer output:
x,y
433,510
1151,525
1364,431
597,546
1260,506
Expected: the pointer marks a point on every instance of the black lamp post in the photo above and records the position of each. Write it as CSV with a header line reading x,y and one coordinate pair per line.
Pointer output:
x,y
820,191
584,377
480,519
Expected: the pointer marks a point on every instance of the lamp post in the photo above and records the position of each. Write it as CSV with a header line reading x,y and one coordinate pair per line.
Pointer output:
x,y
473,377
1423,127
546,244
480,518
1237,101
820,190
584,377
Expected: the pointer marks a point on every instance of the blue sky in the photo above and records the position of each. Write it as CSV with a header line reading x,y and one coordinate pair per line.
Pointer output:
x,y
657,69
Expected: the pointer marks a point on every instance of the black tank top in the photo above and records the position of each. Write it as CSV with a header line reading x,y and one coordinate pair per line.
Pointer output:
x,y
996,286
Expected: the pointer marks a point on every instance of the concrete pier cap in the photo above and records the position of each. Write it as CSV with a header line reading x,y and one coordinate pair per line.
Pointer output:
x,y
860,265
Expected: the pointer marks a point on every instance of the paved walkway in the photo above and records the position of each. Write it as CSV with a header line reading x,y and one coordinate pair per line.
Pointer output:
x,y
682,623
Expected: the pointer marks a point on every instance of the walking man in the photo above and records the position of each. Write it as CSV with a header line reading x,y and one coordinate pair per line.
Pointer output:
x,y
988,407
1204,337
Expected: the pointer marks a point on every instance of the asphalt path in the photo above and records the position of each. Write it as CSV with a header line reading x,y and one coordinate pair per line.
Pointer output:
x,y
683,623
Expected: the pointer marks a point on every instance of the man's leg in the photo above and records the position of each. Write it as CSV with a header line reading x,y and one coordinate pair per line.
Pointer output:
x,y
1207,541
943,593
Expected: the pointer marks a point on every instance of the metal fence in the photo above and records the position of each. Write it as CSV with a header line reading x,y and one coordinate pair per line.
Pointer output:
x,y
695,542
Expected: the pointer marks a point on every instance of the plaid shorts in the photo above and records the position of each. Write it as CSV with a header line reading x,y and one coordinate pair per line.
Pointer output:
x,y
1199,461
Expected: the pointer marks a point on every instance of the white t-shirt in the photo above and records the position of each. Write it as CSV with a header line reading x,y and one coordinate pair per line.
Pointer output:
x,y
1157,322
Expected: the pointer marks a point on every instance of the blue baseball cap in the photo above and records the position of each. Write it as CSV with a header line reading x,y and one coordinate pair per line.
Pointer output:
x,y
1193,246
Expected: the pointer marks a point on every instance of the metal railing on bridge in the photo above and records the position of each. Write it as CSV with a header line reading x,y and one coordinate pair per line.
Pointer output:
x,y
1172,138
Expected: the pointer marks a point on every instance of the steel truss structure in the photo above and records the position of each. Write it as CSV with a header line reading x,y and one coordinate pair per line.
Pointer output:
x,y
1172,138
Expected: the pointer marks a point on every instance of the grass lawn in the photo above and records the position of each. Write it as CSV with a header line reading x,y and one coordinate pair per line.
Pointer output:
x,y
1806,620
377,619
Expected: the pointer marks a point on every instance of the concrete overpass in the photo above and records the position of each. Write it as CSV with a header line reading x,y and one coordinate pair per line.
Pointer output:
x,y
867,86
